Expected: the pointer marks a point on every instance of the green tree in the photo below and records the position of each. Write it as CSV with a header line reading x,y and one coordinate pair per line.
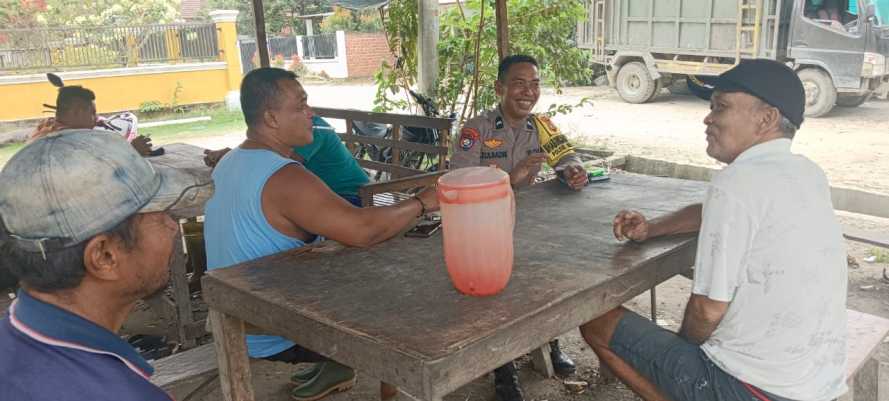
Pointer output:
x,y
352,21
467,51
279,14
17,14
66,13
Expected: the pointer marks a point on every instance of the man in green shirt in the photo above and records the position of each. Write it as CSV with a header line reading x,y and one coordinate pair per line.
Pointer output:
x,y
326,157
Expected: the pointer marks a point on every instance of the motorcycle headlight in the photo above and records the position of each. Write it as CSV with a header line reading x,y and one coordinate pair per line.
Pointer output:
x,y
874,65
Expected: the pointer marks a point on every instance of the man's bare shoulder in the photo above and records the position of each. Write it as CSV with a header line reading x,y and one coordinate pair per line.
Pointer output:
x,y
289,178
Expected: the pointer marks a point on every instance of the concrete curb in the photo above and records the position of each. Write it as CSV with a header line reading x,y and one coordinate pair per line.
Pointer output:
x,y
846,199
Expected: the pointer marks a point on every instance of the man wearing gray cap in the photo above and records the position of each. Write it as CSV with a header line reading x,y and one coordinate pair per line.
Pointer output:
x,y
84,227
766,319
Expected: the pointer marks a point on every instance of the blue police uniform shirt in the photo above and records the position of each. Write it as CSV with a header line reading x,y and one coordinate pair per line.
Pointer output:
x,y
48,353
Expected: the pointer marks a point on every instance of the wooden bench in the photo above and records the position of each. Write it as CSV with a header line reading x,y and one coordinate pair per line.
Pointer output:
x,y
866,379
403,178
188,375
866,237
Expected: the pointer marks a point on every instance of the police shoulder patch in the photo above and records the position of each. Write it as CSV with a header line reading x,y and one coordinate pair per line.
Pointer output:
x,y
468,138
549,123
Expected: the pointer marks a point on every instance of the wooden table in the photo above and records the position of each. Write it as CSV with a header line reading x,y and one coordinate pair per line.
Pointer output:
x,y
187,164
391,312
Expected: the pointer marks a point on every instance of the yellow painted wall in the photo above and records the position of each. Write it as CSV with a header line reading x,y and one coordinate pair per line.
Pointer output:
x,y
117,93
124,89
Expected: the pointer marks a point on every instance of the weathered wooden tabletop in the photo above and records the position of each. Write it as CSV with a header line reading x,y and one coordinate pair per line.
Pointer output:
x,y
187,163
391,311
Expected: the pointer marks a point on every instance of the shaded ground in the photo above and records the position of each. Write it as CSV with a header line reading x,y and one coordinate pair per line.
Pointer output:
x,y
868,292
851,145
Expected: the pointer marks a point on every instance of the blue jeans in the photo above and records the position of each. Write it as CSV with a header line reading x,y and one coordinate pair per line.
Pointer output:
x,y
680,369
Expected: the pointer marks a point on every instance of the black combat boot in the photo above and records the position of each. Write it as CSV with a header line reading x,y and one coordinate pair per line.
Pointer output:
x,y
506,383
562,364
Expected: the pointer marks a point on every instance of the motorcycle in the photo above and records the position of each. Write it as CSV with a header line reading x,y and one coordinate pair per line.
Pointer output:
x,y
408,158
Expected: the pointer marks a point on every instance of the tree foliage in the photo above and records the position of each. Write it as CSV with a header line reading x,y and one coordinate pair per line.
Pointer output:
x,y
467,51
280,15
352,21
66,13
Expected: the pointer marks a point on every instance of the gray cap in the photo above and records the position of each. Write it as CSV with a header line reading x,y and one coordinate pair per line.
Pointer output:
x,y
65,188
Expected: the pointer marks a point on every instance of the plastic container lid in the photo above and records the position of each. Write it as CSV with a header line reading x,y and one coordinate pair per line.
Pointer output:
x,y
473,177
472,185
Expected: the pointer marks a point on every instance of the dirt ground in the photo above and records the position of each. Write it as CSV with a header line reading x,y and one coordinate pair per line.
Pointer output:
x,y
867,292
851,145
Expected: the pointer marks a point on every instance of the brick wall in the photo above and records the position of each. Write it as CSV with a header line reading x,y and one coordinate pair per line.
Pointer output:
x,y
365,53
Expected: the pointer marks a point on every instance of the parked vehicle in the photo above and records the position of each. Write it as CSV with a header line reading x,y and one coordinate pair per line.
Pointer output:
x,y
841,55
410,159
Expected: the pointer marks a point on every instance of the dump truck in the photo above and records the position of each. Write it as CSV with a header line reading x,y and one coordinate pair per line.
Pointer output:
x,y
839,48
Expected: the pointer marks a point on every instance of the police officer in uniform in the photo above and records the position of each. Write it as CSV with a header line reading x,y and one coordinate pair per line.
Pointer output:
x,y
508,137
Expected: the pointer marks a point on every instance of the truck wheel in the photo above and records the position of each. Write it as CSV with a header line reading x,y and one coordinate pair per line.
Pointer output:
x,y
658,85
634,84
821,95
852,101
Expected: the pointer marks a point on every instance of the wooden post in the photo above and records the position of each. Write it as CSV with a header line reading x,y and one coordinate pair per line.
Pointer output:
x,y
181,292
542,362
261,41
427,47
231,354
502,29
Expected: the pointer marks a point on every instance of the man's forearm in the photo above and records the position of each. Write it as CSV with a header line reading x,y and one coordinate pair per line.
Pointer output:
x,y
386,221
571,159
685,220
696,331
702,316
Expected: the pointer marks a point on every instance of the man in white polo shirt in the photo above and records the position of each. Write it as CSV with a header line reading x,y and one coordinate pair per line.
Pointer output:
x,y
766,319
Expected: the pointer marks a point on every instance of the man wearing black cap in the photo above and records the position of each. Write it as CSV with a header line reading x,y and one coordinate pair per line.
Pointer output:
x,y
766,319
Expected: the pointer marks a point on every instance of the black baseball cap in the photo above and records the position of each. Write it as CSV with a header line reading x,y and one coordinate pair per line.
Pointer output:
x,y
770,81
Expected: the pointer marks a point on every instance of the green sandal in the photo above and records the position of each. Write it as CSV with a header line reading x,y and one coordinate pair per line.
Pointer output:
x,y
331,377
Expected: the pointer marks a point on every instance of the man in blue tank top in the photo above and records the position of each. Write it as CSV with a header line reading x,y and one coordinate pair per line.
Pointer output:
x,y
266,202
327,157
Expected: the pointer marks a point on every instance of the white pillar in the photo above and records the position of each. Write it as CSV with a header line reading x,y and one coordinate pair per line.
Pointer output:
x,y
299,47
310,29
341,56
341,45
224,15
225,21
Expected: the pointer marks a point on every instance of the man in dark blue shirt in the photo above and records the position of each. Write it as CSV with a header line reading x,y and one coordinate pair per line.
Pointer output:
x,y
84,227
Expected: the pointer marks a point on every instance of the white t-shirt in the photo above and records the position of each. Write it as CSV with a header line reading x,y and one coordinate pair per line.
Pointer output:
x,y
771,246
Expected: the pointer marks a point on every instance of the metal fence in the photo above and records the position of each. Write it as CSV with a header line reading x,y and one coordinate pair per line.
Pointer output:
x,y
281,48
319,46
32,50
